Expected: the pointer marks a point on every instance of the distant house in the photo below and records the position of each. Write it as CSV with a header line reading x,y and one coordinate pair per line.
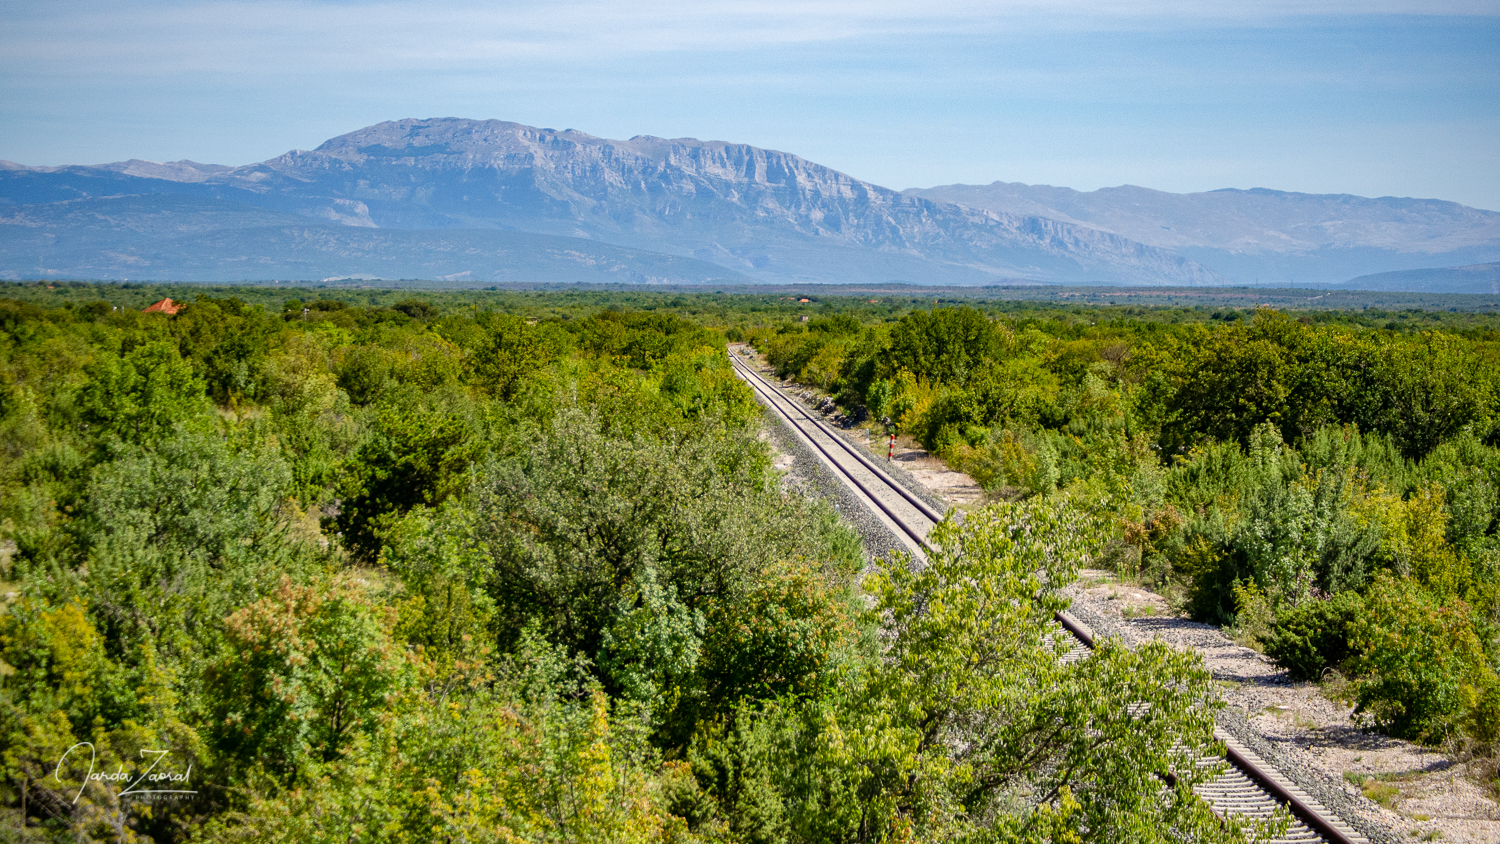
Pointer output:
x,y
165,306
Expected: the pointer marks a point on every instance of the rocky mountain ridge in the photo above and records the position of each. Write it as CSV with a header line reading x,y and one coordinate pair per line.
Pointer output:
x,y
770,215
739,211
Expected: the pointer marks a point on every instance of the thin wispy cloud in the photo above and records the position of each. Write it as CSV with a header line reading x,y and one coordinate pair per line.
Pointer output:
x,y
280,35
1390,96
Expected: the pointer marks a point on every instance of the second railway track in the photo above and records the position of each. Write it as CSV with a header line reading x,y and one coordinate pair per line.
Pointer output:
x,y
1250,786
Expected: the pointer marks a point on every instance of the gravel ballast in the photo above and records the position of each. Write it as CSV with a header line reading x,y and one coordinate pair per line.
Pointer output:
x,y
1330,793
1307,736
804,471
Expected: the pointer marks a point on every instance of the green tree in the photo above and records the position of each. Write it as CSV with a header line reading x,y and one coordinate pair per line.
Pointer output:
x,y
945,345
176,536
969,724
512,352
1438,388
305,669
140,395
991,712
530,751
1233,382
416,454
624,547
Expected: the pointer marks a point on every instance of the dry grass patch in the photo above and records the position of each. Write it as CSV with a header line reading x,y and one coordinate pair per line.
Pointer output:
x,y
1383,788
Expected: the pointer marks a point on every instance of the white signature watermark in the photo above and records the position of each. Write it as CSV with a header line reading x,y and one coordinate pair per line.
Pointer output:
x,y
150,777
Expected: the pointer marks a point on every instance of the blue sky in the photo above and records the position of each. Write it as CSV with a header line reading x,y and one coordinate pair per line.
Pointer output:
x,y
1386,97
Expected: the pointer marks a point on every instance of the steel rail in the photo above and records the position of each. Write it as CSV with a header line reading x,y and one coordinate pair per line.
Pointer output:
x,y
1277,788
1330,829
771,398
854,451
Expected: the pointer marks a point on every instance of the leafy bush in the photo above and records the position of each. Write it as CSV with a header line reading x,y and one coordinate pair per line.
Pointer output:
x,y
1260,516
978,704
1419,661
142,394
525,750
634,551
1252,615
1313,636
416,309
416,454
307,669
942,345
514,352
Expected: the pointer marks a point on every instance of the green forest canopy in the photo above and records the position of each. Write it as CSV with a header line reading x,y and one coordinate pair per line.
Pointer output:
x,y
513,565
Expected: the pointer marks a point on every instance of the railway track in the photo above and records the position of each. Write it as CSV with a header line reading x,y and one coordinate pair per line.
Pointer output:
x,y
1249,786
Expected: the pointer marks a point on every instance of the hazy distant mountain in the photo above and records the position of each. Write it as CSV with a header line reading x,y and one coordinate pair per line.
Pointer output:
x,y
189,238
1262,235
1478,278
488,200
769,215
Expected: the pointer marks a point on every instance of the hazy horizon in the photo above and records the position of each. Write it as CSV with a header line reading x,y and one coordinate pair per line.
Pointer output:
x,y
1385,99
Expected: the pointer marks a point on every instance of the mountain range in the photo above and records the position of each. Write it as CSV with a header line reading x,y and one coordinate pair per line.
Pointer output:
x,y
1477,278
1263,236
473,201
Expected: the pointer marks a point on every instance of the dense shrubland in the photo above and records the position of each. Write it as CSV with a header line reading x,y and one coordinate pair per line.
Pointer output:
x,y
1327,490
422,572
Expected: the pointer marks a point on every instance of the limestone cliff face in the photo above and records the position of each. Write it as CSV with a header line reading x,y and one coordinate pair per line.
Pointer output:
x,y
769,215
756,210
